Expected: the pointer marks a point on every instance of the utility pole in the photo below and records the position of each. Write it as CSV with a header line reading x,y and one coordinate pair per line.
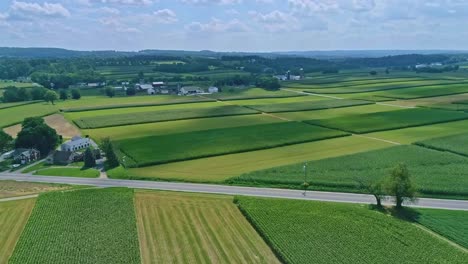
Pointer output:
x,y
305,179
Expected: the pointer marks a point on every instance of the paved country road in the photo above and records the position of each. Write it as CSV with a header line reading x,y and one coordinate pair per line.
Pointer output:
x,y
232,190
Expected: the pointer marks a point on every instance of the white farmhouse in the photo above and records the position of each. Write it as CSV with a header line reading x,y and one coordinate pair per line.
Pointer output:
x,y
143,87
188,90
76,143
151,91
213,89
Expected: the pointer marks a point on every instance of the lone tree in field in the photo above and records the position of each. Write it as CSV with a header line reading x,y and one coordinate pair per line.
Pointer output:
x,y
63,94
110,92
108,149
375,188
89,159
50,96
75,94
399,185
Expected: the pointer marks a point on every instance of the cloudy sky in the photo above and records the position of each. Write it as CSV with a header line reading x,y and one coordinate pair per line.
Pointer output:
x,y
235,25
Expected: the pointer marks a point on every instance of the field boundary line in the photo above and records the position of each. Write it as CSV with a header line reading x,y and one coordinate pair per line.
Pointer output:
x,y
313,94
16,198
399,106
379,139
437,235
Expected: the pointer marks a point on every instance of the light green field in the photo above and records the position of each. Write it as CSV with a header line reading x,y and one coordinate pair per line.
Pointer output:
x,y
13,218
322,232
413,134
250,93
268,101
15,115
69,172
4,84
196,228
338,112
129,110
221,168
171,127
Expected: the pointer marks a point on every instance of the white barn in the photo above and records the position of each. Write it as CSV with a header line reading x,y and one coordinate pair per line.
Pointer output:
x,y
213,89
76,143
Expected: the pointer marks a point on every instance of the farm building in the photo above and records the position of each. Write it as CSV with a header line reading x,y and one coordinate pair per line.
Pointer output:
x,y
76,143
213,89
158,84
143,87
151,91
188,90
25,156
62,157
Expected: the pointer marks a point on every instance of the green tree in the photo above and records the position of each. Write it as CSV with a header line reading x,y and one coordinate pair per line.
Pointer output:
x,y
399,185
75,94
89,159
24,94
130,91
110,92
141,75
50,96
374,187
38,93
111,159
10,94
6,141
35,133
63,94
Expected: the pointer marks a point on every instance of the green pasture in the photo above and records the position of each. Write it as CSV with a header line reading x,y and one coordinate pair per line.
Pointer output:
x,y
278,100
69,172
251,93
100,121
15,115
425,91
323,232
433,172
457,144
221,168
200,144
178,126
4,84
374,122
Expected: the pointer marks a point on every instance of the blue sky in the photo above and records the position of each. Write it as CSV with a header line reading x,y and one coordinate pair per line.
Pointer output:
x,y
235,25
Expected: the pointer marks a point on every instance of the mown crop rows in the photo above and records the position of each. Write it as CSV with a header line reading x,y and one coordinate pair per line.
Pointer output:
x,y
196,228
317,232
433,172
154,150
160,116
88,226
381,121
254,93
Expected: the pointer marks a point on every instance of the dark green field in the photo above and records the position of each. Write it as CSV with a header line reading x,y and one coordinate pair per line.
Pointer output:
x,y
318,232
433,172
88,226
153,150
160,116
381,121
457,144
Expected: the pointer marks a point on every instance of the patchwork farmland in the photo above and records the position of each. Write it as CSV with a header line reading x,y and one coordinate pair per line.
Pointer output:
x,y
327,132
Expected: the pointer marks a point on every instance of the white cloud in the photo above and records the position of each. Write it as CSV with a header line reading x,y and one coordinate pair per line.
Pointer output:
x,y
217,26
25,10
165,16
116,25
118,2
207,2
109,10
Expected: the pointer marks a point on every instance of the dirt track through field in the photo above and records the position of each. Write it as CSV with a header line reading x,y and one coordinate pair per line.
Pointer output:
x,y
56,121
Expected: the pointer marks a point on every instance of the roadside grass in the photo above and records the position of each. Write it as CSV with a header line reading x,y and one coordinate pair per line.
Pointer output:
x,y
15,188
160,116
86,226
305,106
324,232
336,112
457,144
433,172
221,168
196,228
381,121
69,172
13,218
16,115
38,166
250,93
173,127
448,223
421,133
208,143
